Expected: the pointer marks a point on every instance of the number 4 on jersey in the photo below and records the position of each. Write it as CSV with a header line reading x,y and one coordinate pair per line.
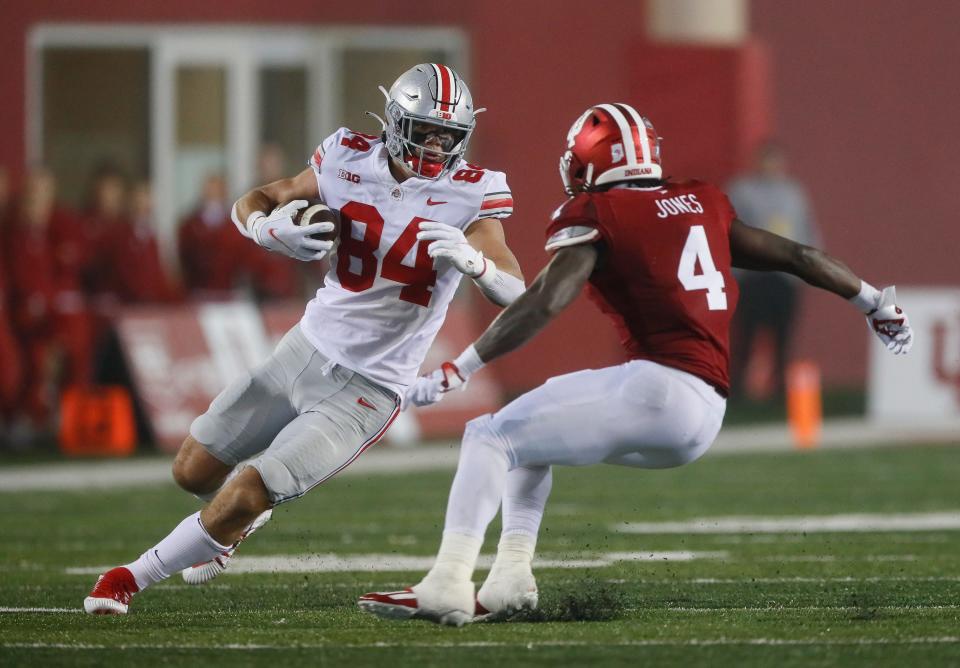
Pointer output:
x,y
697,250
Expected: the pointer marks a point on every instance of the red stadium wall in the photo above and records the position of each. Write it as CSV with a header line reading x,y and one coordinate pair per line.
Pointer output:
x,y
866,102
538,65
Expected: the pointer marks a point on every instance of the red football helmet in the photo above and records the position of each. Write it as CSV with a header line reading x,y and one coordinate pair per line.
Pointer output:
x,y
609,143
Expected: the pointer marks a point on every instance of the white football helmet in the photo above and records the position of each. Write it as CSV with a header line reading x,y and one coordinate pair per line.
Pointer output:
x,y
428,96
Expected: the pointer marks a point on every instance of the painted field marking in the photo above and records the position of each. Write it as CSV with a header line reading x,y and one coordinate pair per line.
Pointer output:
x,y
844,523
667,642
829,558
385,563
44,610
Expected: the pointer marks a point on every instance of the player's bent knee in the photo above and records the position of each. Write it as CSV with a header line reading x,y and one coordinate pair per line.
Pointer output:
x,y
197,471
480,432
685,454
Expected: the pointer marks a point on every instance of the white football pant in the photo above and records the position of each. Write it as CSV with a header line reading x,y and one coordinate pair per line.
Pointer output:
x,y
638,414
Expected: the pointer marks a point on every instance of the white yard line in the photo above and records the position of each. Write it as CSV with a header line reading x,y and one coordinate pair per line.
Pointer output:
x,y
384,563
120,474
843,523
666,642
45,610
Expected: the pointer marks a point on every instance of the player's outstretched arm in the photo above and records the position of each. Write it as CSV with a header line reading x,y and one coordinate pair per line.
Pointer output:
x,y
481,253
257,218
555,287
752,248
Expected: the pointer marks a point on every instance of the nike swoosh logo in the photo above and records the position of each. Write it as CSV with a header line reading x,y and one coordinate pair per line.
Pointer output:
x,y
156,553
274,235
430,202
367,404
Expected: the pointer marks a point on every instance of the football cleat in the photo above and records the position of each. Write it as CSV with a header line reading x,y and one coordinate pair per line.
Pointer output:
x,y
203,572
506,592
112,593
446,602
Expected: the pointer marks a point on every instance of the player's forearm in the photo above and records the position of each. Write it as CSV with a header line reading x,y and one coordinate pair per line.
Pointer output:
x,y
824,271
255,201
516,325
551,292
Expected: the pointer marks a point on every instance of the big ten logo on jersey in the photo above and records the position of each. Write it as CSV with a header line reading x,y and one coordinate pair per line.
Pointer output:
x,y
358,141
471,174
348,176
677,206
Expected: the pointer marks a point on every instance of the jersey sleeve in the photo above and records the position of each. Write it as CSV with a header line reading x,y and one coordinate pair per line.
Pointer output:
x,y
497,201
573,223
325,147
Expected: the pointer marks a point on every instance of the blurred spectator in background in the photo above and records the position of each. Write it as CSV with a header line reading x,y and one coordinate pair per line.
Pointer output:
x,y
4,195
104,221
271,163
214,257
104,218
11,366
134,254
769,198
45,255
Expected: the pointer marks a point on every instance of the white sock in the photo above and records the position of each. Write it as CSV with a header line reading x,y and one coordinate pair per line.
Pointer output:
x,y
457,556
515,549
188,544
525,499
473,503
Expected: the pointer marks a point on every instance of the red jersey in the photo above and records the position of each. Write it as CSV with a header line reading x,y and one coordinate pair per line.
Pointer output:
x,y
663,275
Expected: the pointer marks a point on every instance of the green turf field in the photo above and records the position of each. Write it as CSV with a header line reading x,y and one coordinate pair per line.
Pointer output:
x,y
890,597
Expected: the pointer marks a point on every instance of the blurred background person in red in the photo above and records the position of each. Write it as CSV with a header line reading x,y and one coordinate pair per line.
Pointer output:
x,y
213,256
134,255
767,197
46,258
11,366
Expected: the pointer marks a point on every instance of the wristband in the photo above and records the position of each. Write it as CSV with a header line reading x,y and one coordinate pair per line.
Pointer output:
x,y
498,285
254,223
468,362
867,299
235,217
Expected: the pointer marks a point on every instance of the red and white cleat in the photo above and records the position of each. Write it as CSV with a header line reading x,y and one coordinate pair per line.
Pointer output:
x,y
207,570
506,592
112,593
451,603
390,604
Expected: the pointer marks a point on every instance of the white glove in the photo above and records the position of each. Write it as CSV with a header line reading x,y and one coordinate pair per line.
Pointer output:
x,y
451,245
890,323
278,233
430,389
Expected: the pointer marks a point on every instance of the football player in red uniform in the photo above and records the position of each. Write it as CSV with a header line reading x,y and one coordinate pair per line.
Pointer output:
x,y
656,255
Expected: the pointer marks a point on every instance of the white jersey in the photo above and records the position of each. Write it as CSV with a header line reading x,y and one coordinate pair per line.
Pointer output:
x,y
382,302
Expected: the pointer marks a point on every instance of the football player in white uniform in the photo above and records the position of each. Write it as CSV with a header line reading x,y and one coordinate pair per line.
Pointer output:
x,y
415,217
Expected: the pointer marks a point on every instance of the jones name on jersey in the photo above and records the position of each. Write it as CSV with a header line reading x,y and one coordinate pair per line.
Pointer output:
x,y
383,301
664,277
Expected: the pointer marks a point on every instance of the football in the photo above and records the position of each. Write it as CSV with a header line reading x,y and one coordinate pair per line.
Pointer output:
x,y
318,212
